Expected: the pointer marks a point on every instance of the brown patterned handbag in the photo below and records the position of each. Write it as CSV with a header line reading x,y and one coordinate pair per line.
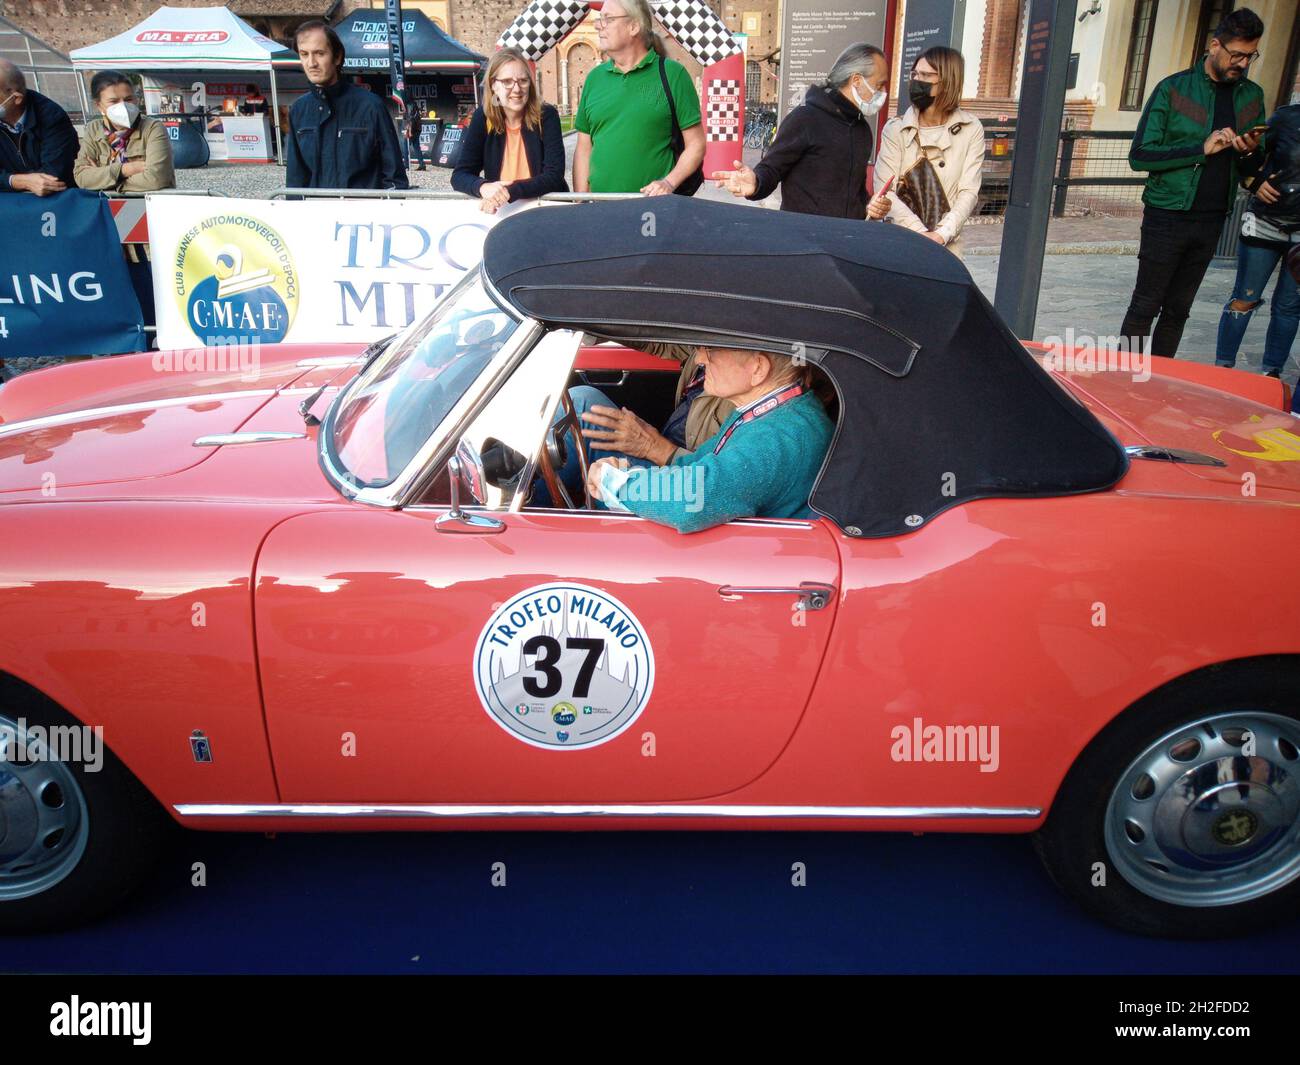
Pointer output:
x,y
922,192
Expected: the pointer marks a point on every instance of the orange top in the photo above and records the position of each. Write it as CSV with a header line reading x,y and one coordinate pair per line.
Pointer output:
x,y
514,163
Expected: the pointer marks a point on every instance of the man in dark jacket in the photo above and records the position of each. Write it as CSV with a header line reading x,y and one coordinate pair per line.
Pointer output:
x,y
1193,129
821,151
340,136
38,143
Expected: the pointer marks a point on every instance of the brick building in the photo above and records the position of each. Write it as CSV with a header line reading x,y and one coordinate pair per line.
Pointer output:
x,y
1122,48
69,24
478,24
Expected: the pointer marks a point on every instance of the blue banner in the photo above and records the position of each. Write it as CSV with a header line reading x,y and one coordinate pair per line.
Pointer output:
x,y
64,285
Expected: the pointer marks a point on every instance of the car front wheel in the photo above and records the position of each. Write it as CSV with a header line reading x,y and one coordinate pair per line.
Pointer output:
x,y
1183,817
76,836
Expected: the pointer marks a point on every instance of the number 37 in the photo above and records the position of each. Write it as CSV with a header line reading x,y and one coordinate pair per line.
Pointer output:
x,y
546,650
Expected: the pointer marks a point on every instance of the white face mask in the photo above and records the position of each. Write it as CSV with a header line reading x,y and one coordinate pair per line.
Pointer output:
x,y
868,107
123,115
6,104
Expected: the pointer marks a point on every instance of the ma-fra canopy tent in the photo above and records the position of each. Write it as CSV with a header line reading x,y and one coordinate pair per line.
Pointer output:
x,y
427,49
190,38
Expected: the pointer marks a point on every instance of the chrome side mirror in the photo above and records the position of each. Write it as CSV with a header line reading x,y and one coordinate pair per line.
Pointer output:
x,y
457,520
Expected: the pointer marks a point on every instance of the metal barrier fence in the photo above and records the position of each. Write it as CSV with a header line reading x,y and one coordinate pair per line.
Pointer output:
x,y
1230,238
1093,177
1098,161
290,193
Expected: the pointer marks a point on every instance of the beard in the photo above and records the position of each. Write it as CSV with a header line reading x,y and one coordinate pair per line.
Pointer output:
x,y
1224,70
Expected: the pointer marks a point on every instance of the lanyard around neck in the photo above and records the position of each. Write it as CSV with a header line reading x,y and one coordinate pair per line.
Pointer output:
x,y
764,405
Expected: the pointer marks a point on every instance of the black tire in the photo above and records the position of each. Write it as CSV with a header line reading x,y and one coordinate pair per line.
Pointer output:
x,y
127,833
1073,839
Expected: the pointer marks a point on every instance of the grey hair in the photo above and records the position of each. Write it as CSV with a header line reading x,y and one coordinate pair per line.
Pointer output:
x,y
11,77
855,59
644,18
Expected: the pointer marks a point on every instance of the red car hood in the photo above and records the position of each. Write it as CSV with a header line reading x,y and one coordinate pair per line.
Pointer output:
x,y
1173,412
137,416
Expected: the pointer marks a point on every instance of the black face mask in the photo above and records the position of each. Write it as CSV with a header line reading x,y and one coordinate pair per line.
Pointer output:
x,y
920,93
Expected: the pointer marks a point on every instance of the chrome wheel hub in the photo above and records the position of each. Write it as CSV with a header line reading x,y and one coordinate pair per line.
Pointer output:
x,y
43,820
1209,814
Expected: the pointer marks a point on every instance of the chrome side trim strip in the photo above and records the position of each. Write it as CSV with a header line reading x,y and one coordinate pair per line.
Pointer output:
x,y
1171,454
617,515
331,361
404,810
127,408
228,439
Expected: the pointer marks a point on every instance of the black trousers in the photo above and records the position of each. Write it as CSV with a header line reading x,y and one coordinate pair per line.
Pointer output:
x,y
1174,253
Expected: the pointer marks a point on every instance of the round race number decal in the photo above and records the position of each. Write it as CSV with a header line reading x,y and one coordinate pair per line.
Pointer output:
x,y
564,666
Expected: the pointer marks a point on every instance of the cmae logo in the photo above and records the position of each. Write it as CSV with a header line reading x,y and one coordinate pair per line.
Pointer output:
x,y
132,1019
182,37
233,275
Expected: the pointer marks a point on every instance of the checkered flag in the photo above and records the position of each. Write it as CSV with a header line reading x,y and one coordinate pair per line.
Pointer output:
x,y
542,25
722,110
696,28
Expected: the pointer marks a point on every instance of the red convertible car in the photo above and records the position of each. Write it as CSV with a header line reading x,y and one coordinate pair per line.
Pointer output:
x,y
325,596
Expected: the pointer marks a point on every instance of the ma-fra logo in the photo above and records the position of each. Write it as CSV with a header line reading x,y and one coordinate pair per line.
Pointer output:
x,y
182,37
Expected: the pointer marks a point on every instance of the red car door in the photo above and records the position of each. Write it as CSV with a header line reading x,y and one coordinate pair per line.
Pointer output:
x,y
570,657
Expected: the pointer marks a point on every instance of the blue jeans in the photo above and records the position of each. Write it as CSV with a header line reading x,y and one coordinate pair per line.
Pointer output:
x,y
583,398
1255,264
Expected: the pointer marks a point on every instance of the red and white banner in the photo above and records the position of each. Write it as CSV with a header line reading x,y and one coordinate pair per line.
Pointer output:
x,y
722,109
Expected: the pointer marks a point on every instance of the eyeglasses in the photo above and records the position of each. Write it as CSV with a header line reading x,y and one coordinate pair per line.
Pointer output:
x,y
602,21
1241,57
511,83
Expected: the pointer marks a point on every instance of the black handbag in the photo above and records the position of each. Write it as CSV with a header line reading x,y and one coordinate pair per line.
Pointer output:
x,y
691,183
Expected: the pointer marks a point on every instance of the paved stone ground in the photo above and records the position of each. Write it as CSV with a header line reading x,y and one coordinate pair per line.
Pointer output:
x,y
1088,272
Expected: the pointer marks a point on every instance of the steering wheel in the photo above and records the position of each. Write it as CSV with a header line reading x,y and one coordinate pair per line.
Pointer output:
x,y
553,456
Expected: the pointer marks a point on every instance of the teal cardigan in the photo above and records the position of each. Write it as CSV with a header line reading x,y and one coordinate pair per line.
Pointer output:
x,y
766,470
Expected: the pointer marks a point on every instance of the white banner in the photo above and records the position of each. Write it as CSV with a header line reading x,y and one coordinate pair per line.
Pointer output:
x,y
268,271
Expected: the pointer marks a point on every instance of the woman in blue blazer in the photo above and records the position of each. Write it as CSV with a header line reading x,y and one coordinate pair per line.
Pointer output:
x,y
513,148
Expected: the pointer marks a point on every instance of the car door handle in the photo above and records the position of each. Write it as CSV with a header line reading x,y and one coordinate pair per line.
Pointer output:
x,y
604,378
812,596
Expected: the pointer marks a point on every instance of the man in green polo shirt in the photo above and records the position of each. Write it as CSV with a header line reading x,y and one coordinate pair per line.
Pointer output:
x,y
624,126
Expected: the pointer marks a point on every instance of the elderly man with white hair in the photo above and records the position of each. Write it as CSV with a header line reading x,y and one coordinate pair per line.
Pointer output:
x,y
38,143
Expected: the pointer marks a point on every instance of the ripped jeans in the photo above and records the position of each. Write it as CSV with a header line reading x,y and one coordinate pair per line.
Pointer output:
x,y
1255,265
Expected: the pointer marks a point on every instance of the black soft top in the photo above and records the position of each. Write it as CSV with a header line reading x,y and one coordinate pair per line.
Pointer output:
x,y
940,403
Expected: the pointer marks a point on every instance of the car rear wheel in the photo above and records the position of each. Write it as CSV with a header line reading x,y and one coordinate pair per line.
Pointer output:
x,y
76,836
1183,817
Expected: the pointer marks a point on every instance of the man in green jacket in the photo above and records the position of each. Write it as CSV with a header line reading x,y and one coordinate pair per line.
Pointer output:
x,y
1193,128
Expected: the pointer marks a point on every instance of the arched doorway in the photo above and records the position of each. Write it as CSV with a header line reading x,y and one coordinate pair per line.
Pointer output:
x,y
578,63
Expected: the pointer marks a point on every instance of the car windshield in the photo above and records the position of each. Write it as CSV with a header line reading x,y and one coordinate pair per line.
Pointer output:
x,y
383,424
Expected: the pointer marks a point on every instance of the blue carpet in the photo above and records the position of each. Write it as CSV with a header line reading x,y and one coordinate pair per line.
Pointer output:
x,y
615,902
